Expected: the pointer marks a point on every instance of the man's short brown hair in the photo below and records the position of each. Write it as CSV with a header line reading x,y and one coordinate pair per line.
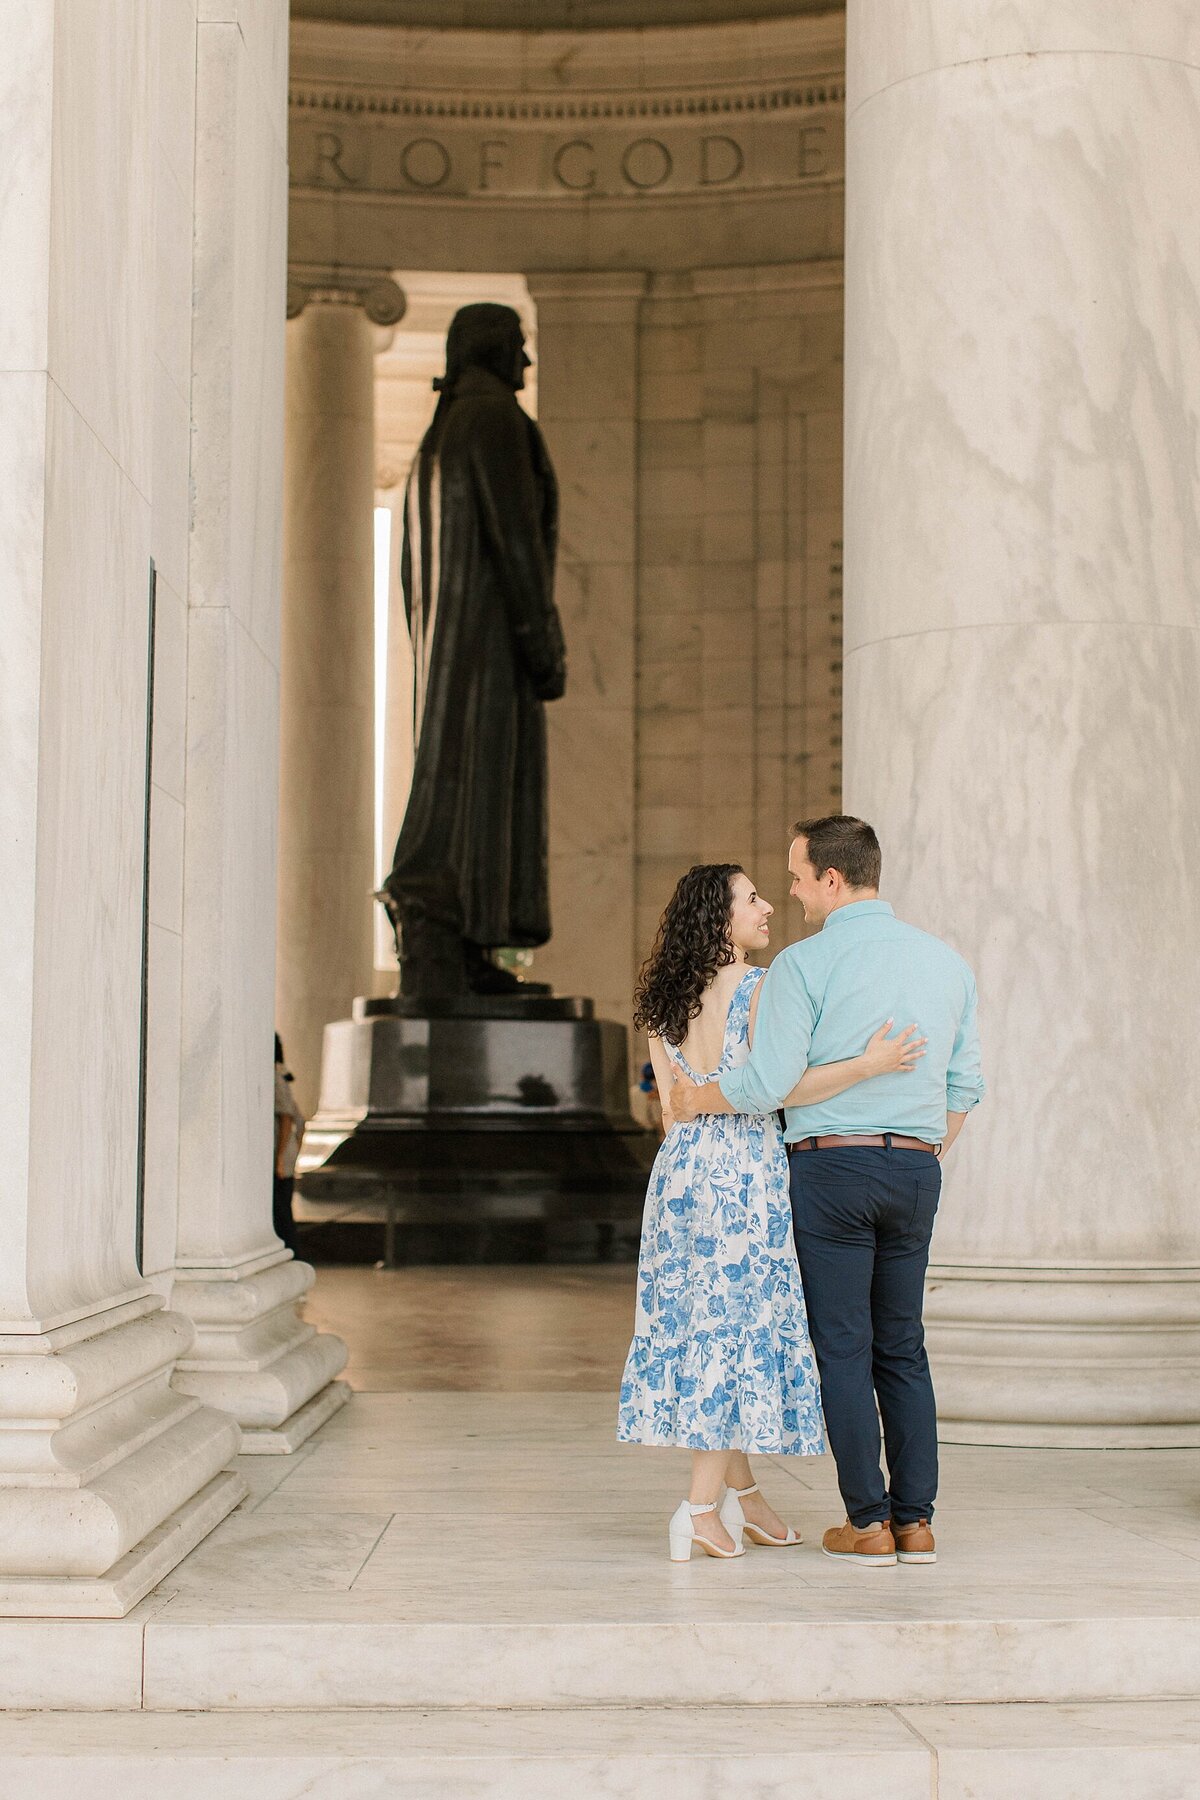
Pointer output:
x,y
845,844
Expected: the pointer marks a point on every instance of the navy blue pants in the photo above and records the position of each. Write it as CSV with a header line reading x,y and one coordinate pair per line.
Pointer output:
x,y
863,1220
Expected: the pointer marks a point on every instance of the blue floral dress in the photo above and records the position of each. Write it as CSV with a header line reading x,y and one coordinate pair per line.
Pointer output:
x,y
721,1358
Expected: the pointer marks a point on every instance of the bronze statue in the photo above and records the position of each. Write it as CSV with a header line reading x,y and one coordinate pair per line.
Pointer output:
x,y
477,566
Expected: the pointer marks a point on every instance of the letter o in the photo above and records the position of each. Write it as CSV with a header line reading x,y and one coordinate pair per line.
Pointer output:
x,y
425,181
665,163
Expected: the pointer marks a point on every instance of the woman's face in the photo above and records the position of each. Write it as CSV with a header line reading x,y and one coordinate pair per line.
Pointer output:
x,y
748,916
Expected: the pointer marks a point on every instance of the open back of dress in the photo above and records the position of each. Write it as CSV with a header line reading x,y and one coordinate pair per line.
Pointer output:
x,y
720,1358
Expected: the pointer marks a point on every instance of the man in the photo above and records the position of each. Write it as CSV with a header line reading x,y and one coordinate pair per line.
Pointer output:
x,y
477,567
865,1169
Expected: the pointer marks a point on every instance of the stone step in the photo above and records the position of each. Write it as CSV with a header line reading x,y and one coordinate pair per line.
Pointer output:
x,y
1146,1751
334,1651
377,1662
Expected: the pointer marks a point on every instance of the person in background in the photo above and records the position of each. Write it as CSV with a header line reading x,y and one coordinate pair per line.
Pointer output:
x,y
289,1129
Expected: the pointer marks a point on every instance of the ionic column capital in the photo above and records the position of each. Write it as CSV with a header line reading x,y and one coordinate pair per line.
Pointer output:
x,y
311,284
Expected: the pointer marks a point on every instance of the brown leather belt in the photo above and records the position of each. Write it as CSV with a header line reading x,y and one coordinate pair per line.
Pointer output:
x,y
882,1141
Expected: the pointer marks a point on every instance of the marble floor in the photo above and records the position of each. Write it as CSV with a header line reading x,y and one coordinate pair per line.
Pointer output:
x,y
535,1328
520,1510
462,1584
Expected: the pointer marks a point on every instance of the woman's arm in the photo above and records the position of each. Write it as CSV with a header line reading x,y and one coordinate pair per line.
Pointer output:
x,y
882,1056
661,1064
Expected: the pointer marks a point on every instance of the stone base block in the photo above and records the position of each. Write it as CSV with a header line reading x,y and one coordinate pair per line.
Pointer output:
x,y
108,1476
112,1595
1066,1358
281,1440
254,1357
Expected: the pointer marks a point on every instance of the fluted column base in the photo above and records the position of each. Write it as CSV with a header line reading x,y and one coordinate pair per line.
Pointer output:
x,y
108,1475
1066,1357
254,1357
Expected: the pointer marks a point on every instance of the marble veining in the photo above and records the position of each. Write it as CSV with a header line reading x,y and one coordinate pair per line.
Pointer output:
x,y
26,106
981,752
102,291
1025,351
908,38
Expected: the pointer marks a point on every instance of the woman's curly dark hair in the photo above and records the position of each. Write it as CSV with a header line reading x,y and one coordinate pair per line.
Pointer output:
x,y
693,942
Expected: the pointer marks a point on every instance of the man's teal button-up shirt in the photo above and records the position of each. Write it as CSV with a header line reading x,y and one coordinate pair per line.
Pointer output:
x,y
823,998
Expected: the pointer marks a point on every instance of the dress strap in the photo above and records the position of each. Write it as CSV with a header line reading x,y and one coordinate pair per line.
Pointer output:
x,y
739,1012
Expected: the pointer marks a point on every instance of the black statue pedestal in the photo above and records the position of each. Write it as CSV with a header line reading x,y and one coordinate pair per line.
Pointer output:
x,y
467,1112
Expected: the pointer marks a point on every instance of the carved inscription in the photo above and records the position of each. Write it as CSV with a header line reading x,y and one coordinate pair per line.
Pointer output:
x,y
403,158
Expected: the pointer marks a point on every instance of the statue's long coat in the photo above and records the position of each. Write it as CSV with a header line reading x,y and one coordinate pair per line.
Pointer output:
x,y
477,565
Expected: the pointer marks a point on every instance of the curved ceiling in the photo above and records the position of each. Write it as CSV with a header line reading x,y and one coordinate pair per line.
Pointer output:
x,y
553,15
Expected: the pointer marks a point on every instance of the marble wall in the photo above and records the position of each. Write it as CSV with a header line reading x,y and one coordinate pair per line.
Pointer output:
x,y
588,393
602,150
739,607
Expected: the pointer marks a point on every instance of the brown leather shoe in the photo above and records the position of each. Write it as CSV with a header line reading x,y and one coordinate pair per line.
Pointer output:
x,y
873,1547
914,1542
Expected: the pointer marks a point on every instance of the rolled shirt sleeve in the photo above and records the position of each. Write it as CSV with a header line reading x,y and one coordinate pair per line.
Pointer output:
x,y
964,1076
783,1031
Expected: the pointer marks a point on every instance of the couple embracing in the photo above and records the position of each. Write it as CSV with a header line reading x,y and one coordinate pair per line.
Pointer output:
x,y
754,1239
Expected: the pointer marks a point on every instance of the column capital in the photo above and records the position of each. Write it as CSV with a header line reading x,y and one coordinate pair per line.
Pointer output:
x,y
341,284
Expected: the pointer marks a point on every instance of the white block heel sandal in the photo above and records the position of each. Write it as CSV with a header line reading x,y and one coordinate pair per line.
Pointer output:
x,y
735,1522
683,1534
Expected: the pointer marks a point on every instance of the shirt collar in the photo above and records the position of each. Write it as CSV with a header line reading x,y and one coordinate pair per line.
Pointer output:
x,y
860,909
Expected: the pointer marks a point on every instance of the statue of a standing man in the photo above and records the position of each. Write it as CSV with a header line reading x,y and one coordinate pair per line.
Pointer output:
x,y
477,566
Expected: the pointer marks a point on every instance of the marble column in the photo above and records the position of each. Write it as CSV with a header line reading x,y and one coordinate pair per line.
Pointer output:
x,y
326,916
1022,666
587,407
253,1356
108,1475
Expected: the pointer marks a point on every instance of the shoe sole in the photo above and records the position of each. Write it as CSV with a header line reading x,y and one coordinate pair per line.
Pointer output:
x,y
861,1558
920,1556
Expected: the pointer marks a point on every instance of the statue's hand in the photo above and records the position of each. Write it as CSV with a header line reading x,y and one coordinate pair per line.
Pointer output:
x,y
552,686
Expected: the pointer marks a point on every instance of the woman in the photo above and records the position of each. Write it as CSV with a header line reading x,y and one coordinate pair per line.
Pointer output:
x,y
720,1360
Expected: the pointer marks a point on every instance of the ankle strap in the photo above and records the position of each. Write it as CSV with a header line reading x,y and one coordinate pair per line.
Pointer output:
x,y
708,1506
742,1492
